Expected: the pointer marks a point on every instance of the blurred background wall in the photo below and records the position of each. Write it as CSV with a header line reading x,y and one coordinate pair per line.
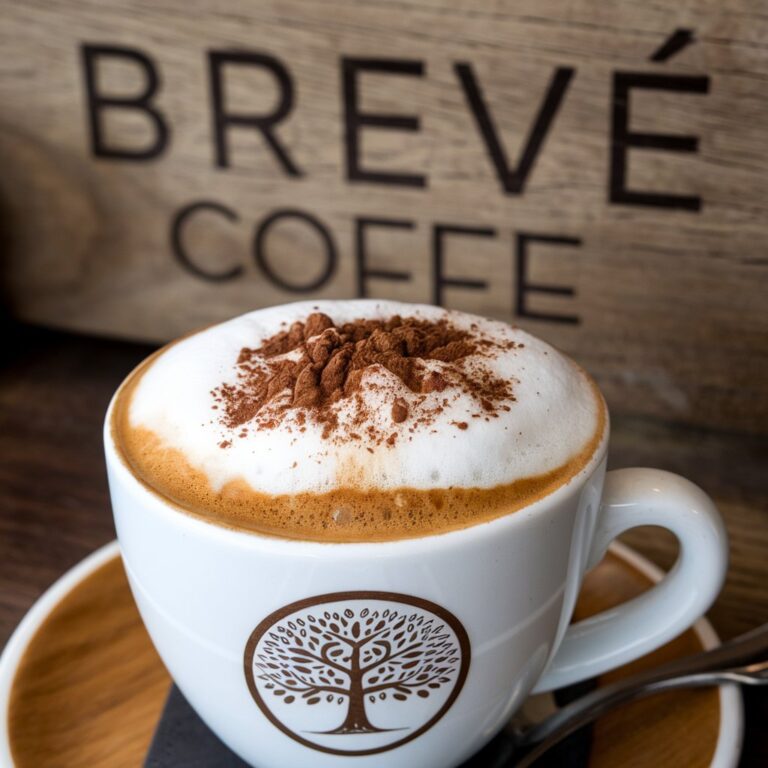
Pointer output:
x,y
595,172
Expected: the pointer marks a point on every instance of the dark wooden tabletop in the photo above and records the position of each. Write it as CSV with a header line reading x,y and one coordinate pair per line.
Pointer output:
x,y
54,505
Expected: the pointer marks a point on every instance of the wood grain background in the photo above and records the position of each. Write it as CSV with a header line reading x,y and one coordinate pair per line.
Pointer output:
x,y
670,302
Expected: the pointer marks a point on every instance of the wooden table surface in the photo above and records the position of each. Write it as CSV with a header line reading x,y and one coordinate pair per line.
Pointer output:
x,y
54,506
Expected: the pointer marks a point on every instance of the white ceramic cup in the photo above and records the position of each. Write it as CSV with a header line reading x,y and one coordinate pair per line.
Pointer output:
x,y
412,653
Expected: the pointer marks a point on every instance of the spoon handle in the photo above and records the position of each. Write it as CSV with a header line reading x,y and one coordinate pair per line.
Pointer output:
x,y
583,711
745,649
725,663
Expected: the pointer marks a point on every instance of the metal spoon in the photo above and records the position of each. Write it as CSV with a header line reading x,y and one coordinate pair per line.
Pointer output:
x,y
741,660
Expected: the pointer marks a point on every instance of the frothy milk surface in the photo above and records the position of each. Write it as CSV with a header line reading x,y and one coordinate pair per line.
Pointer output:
x,y
386,461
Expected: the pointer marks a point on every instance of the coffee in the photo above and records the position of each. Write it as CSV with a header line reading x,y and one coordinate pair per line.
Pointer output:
x,y
357,421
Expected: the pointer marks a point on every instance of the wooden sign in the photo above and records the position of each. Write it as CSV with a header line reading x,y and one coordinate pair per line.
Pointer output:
x,y
596,172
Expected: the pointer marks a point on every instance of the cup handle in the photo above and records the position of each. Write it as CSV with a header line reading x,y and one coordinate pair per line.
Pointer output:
x,y
633,497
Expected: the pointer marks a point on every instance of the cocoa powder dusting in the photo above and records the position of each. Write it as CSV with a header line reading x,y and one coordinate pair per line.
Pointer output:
x,y
310,368
399,410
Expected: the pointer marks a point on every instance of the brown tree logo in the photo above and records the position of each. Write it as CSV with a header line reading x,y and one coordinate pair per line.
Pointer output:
x,y
356,673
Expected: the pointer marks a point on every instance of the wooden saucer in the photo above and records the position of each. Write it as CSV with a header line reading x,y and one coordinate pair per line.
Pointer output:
x,y
81,684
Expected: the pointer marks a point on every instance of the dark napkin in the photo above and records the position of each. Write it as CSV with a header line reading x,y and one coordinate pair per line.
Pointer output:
x,y
183,740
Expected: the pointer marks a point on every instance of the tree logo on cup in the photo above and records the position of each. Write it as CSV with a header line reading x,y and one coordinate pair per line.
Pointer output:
x,y
355,673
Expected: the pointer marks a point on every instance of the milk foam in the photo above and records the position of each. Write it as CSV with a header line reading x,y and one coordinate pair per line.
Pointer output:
x,y
554,416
